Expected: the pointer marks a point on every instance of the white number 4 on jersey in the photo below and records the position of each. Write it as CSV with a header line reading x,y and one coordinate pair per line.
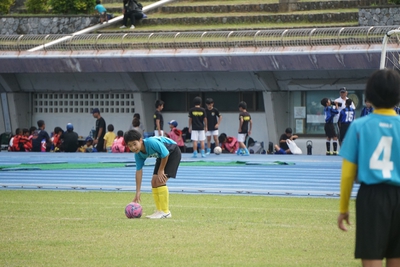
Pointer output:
x,y
385,165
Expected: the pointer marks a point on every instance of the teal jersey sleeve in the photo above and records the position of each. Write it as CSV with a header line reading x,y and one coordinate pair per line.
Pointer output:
x,y
372,143
155,148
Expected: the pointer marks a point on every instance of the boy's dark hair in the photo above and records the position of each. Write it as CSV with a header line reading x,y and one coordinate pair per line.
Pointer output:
x,y
132,135
120,133
136,115
383,88
24,131
348,102
159,102
197,100
222,137
32,129
288,130
242,105
136,122
110,128
57,130
18,131
324,101
209,101
98,2
40,123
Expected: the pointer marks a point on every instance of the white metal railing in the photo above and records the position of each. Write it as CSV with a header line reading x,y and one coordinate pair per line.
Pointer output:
x,y
198,40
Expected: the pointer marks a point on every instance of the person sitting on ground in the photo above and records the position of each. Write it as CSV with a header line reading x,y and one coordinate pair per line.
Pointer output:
x,y
40,135
283,147
69,139
176,134
102,11
119,145
136,126
88,147
228,144
15,144
132,10
56,139
25,141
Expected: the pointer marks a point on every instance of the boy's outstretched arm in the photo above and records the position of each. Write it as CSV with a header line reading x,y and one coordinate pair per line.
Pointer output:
x,y
139,175
349,173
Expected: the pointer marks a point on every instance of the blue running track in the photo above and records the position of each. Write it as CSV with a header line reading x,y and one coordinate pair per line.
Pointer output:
x,y
311,176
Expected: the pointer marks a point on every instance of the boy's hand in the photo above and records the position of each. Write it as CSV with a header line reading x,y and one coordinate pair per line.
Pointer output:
x,y
137,197
162,178
343,217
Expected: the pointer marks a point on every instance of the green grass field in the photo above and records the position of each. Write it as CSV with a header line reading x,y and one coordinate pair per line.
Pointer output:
x,y
60,228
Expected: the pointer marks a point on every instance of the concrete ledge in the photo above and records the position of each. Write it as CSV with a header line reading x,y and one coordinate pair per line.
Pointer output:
x,y
325,17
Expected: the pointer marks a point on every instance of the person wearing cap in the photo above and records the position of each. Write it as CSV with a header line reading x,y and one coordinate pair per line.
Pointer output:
x,y
176,134
88,147
69,139
100,130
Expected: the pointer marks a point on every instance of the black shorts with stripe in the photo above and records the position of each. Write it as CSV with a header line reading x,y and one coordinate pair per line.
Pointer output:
x,y
343,130
330,130
378,222
174,159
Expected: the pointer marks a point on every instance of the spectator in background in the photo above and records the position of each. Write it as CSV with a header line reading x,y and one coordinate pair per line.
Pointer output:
x,y
102,11
283,147
176,134
368,109
137,117
69,139
245,126
198,126
214,119
330,131
228,144
100,130
136,126
15,144
26,142
56,139
41,140
133,11
109,138
158,118
346,116
119,143
88,147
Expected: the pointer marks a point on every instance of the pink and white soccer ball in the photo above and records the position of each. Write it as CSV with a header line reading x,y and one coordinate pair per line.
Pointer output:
x,y
217,150
133,210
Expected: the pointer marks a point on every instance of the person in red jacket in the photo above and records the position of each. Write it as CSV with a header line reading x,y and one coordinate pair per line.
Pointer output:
x,y
228,144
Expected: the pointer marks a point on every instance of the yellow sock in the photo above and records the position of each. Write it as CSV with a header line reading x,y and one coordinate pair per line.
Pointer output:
x,y
163,195
156,198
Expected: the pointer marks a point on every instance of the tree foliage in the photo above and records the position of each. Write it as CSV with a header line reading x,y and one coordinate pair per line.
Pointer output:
x,y
5,6
36,6
72,6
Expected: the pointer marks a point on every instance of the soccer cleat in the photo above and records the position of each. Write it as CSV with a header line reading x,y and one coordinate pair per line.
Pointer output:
x,y
122,27
194,154
245,154
208,151
335,153
132,27
239,151
155,213
328,153
161,215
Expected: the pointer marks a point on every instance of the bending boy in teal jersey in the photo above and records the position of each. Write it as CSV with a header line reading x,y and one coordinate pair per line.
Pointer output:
x,y
168,157
371,155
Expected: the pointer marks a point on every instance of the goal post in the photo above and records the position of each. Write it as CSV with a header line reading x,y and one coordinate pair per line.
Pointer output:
x,y
390,57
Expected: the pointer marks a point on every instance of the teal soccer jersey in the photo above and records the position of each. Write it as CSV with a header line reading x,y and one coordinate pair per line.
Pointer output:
x,y
155,148
372,142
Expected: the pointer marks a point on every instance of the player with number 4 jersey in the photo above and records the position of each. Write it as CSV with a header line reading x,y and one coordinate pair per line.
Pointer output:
x,y
371,155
